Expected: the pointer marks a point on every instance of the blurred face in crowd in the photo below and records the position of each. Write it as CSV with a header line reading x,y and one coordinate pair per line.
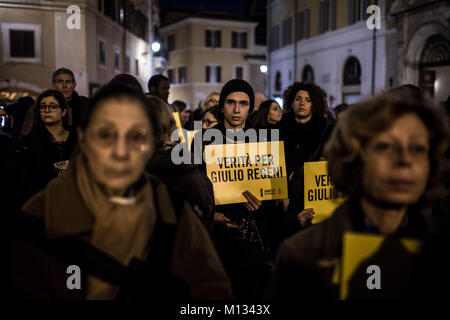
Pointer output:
x,y
302,106
64,84
209,121
50,111
162,91
117,143
211,101
275,113
396,163
184,116
236,108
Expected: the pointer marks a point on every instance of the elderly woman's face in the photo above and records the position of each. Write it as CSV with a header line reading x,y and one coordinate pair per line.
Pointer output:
x,y
117,143
396,163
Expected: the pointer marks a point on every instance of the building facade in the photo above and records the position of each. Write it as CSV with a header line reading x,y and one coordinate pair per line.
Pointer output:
x,y
423,42
206,50
37,37
330,42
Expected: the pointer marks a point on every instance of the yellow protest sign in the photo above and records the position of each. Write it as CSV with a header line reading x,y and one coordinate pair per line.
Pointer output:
x,y
190,134
364,255
256,167
176,117
319,193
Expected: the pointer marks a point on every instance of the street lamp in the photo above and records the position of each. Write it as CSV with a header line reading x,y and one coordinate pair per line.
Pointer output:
x,y
263,68
156,46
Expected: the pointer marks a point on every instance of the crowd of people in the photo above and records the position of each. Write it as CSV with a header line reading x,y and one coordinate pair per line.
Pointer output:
x,y
91,183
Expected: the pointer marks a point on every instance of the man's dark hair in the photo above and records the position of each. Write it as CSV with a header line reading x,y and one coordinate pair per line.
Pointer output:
x,y
180,105
127,80
59,71
155,80
340,108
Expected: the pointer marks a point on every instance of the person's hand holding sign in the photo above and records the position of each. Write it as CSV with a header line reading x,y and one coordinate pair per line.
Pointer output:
x,y
252,203
221,219
305,216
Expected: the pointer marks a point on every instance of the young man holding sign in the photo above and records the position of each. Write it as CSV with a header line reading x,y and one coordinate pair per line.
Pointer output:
x,y
237,232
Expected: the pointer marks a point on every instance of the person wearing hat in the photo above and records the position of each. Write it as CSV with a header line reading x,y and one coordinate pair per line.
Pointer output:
x,y
237,227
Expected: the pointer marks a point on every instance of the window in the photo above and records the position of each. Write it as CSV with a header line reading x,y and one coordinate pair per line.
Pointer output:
x,y
286,32
308,74
351,90
352,72
116,59
102,52
239,40
213,38
136,61
21,42
327,15
357,10
303,24
274,37
110,9
182,75
239,73
171,42
127,64
171,75
213,74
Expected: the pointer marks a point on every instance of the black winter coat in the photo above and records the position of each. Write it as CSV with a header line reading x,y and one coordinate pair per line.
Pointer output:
x,y
302,143
189,180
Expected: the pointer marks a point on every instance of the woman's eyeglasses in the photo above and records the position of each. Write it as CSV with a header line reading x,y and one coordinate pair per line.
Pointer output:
x,y
51,107
137,139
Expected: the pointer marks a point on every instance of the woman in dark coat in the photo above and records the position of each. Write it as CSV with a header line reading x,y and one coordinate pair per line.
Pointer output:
x,y
386,154
106,220
51,140
304,132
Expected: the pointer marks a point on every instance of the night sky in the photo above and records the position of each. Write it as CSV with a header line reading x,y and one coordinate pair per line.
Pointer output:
x,y
232,6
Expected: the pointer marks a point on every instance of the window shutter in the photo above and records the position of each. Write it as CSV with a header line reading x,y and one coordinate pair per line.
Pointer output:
x,y
208,38
289,31
208,74
364,5
351,11
332,15
321,17
307,23
234,39
218,74
218,40
244,40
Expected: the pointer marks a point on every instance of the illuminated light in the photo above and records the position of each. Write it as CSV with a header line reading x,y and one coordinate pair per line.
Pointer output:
x,y
156,46
263,68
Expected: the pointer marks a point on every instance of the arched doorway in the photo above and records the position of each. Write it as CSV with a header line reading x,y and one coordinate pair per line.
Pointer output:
x,y
308,74
434,71
351,86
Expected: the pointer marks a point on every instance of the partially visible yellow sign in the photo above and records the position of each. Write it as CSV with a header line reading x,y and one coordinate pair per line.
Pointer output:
x,y
256,167
176,117
360,249
320,193
190,134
